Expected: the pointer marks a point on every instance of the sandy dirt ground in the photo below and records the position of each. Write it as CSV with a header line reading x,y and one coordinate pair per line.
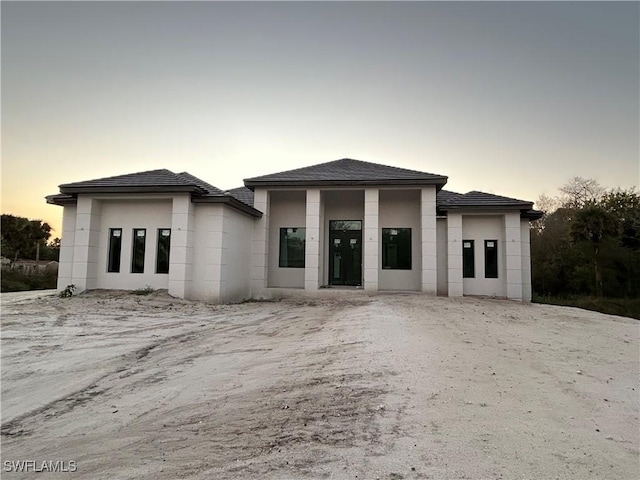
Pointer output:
x,y
397,386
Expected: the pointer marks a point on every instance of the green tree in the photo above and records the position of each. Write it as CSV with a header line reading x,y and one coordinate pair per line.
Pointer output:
x,y
588,242
22,237
594,225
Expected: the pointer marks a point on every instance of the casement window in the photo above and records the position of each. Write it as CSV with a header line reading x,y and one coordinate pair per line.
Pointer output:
x,y
137,255
491,259
396,248
162,252
468,259
292,245
115,248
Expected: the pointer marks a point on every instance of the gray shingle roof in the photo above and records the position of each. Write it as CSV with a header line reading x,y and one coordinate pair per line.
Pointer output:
x,y
477,199
339,172
446,201
160,180
155,181
243,194
445,196
347,171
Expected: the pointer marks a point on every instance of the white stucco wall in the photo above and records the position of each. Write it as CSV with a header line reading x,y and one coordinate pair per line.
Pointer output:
x,y
287,209
260,245
237,232
371,240
84,271
65,267
513,255
480,228
182,240
130,214
429,237
441,248
207,253
401,209
455,287
313,222
526,259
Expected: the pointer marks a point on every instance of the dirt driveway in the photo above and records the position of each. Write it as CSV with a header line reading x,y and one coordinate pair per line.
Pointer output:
x,y
390,386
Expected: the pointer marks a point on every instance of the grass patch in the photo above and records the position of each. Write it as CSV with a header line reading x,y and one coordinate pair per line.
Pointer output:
x,y
625,307
15,281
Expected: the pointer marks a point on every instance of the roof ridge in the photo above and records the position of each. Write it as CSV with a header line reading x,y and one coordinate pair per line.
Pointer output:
x,y
347,171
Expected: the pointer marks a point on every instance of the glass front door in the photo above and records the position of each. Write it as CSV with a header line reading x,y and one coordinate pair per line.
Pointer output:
x,y
345,252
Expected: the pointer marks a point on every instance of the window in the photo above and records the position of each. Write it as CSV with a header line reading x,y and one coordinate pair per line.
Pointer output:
x,y
292,242
137,257
396,248
491,259
115,247
468,259
162,254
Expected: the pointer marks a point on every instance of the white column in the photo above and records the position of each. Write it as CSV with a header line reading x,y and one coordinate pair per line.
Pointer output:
x,y
67,241
370,245
86,240
526,259
454,254
260,250
312,241
428,239
513,255
182,238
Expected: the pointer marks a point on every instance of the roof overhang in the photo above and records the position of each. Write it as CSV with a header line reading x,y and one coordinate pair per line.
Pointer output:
x,y
230,201
63,199
526,211
75,190
476,208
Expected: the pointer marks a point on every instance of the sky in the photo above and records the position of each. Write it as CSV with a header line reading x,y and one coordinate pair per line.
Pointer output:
x,y
511,98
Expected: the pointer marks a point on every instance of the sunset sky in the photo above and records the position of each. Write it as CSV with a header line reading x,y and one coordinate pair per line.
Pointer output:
x,y
512,98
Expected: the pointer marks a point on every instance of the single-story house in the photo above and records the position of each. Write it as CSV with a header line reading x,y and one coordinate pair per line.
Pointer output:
x,y
340,224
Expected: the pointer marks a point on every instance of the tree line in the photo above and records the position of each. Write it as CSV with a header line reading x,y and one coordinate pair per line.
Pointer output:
x,y
587,242
22,238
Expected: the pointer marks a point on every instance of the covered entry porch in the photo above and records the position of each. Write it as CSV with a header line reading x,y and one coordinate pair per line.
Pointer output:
x,y
369,238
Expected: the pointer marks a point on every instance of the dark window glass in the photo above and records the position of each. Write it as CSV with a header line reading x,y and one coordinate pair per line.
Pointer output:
x,y
344,225
137,257
491,259
292,242
468,259
164,246
115,247
396,248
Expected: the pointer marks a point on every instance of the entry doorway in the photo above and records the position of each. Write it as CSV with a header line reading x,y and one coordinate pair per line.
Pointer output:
x,y
345,252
